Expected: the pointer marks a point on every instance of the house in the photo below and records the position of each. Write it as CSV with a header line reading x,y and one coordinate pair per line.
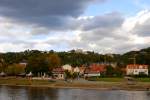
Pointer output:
x,y
94,70
90,73
76,70
67,67
81,51
136,69
58,73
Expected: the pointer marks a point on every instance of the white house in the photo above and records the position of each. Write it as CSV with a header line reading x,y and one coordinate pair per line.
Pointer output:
x,y
135,69
58,73
67,67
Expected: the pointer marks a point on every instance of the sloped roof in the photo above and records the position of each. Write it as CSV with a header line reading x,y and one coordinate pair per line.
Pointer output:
x,y
96,68
58,70
137,66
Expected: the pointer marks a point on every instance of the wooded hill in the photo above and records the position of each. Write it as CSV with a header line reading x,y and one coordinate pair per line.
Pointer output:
x,y
77,59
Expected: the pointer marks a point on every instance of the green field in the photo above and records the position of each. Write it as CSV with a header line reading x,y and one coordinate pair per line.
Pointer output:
x,y
97,83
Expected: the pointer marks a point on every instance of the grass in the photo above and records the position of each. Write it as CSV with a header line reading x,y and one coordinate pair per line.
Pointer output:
x,y
108,83
107,79
118,79
143,79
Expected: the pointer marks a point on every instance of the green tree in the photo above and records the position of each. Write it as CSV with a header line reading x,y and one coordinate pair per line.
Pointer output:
x,y
110,71
37,64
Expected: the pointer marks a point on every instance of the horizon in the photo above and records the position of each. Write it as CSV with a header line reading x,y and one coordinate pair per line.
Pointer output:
x,y
83,51
102,26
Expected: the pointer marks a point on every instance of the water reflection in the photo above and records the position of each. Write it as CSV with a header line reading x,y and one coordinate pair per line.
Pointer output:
x,y
28,93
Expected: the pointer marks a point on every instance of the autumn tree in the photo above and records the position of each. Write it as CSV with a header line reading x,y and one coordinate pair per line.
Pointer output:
x,y
15,69
53,61
2,65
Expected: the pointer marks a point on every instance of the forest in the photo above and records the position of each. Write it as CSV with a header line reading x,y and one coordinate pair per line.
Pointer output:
x,y
45,61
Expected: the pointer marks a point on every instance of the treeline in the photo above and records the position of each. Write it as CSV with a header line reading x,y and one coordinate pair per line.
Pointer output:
x,y
45,61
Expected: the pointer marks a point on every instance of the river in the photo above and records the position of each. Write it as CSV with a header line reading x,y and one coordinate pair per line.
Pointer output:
x,y
34,93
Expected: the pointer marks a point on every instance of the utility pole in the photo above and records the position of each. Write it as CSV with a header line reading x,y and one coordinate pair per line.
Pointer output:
x,y
134,59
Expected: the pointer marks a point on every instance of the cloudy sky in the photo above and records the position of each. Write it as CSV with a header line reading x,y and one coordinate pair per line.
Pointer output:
x,y
104,26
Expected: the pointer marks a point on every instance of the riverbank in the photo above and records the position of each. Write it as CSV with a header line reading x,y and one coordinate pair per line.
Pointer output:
x,y
115,84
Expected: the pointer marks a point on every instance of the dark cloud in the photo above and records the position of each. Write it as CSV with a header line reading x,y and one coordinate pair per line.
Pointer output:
x,y
109,21
142,29
101,26
50,13
26,20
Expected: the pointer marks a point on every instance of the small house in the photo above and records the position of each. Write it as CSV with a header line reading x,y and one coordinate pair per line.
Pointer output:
x,y
94,70
91,73
58,73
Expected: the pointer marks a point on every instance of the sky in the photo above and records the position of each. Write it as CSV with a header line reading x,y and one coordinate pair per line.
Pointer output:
x,y
103,26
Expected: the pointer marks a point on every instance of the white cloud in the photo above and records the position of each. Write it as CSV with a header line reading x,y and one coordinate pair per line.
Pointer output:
x,y
104,33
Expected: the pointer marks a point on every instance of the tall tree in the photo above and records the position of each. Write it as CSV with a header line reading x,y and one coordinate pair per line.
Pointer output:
x,y
53,60
37,64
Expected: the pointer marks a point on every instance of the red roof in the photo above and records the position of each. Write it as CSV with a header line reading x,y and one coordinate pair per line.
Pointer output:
x,y
137,66
96,68
58,70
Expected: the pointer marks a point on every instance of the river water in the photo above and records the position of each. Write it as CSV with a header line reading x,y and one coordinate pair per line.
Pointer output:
x,y
30,93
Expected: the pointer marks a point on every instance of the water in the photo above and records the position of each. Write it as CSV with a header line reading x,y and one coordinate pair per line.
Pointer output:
x,y
28,93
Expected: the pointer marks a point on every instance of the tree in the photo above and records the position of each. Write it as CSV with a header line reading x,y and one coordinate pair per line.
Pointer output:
x,y
37,64
15,69
118,72
67,75
53,61
1,68
110,71
2,65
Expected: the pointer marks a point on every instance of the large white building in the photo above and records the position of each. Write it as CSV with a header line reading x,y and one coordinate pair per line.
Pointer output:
x,y
135,69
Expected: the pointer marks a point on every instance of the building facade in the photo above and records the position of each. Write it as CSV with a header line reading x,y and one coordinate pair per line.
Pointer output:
x,y
58,73
135,69
94,70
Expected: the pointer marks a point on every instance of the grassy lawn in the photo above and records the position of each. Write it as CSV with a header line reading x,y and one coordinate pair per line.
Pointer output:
x,y
143,79
107,79
117,79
